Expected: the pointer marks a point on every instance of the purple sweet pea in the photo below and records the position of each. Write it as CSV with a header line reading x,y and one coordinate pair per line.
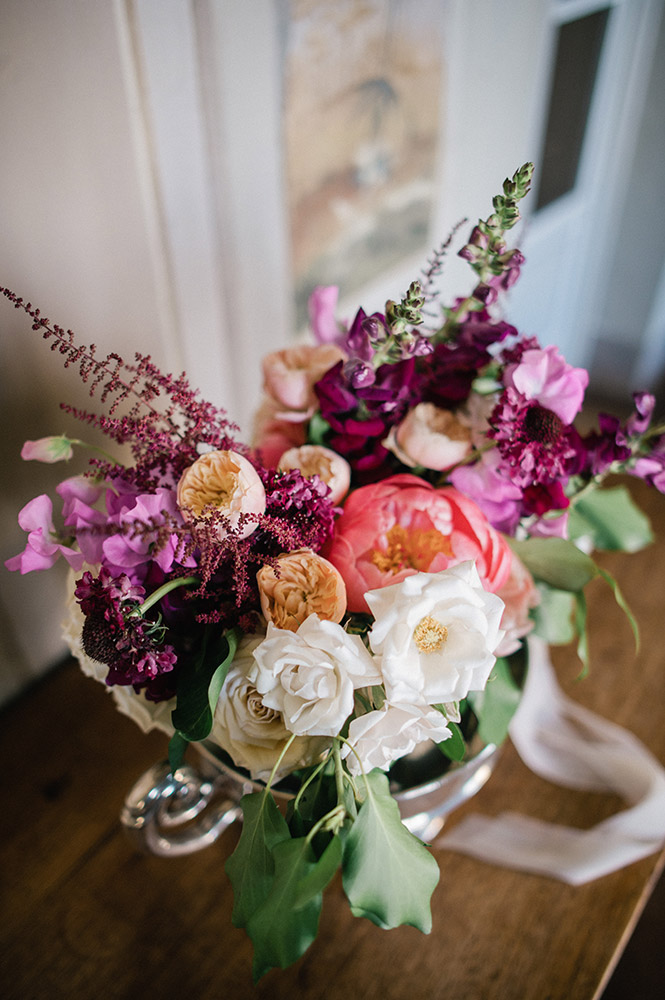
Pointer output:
x,y
44,546
497,496
544,377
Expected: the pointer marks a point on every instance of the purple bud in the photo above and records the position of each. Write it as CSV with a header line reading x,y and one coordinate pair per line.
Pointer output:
x,y
359,373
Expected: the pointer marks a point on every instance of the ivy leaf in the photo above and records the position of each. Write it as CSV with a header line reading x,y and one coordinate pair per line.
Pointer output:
x,y
321,874
251,867
555,561
611,519
388,874
284,925
496,704
199,686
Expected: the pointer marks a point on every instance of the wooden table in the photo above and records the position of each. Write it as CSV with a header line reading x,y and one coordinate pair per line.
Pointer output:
x,y
84,916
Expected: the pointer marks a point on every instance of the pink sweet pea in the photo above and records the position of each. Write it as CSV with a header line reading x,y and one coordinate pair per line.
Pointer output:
x,y
48,449
43,547
544,376
497,496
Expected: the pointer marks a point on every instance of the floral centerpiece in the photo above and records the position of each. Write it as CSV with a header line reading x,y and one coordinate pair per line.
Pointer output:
x,y
357,582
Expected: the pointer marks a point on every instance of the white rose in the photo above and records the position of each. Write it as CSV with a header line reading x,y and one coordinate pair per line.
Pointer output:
x,y
436,634
310,675
252,733
383,736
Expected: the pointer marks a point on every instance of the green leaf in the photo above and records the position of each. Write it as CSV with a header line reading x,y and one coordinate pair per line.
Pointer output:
x,y
611,519
321,874
496,704
454,747
553,617
283,927
388,874
621,601
580,628
251,867
200,684
177,746
555,561
317,430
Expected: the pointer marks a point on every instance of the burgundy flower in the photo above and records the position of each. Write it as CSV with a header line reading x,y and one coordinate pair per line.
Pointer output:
x,y
115,633
533,441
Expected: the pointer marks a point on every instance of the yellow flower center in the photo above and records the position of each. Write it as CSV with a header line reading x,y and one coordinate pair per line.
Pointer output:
x,y
429,635
410,549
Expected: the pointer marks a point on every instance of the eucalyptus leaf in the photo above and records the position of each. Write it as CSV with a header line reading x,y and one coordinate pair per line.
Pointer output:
x,y
283,926
556,561
611,519
388,874
251,867
496,704
200,684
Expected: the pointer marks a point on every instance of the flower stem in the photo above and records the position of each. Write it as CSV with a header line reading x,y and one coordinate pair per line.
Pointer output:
x,y
166,588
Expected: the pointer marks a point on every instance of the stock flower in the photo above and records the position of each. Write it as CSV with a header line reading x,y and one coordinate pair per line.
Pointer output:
x,y
289,377
44,545
435,634
223,482
251,732
321,308
315,460
380,737
430,437
309,676
403,525
300,583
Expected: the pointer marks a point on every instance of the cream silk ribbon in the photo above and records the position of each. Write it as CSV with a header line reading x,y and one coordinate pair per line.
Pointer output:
x,y
567,744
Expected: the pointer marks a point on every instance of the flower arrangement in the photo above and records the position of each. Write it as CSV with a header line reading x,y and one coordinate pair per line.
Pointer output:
x,y
356,583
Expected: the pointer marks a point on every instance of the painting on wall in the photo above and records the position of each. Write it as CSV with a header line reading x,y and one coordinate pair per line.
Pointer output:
x,y
362,83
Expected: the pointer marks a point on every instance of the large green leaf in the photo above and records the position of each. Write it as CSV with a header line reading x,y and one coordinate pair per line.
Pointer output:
x,y
200,684
251,867
454,748
285,924
496,704
389,875
553,617
555,561
610,518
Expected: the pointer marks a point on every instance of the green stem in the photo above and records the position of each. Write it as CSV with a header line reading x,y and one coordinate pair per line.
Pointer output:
x,y
166,588
94,447
339,771
279,761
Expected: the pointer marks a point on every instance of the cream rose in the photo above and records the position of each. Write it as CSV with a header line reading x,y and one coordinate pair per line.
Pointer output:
x,y
389,733
302,583
315,460
431,437
226,482
435,634
252,733
289,377
309,676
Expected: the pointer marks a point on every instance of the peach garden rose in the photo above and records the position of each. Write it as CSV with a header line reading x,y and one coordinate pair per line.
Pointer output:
x,y
302,583
226,482
315,460
430,437
289,377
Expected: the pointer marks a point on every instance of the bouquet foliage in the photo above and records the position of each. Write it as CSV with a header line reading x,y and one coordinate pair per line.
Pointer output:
x,y
356,583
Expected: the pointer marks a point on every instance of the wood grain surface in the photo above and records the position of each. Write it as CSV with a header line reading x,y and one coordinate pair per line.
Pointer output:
x,y
85,916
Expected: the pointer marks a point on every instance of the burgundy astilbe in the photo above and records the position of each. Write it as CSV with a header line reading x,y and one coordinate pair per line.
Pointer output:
x,y
163,440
